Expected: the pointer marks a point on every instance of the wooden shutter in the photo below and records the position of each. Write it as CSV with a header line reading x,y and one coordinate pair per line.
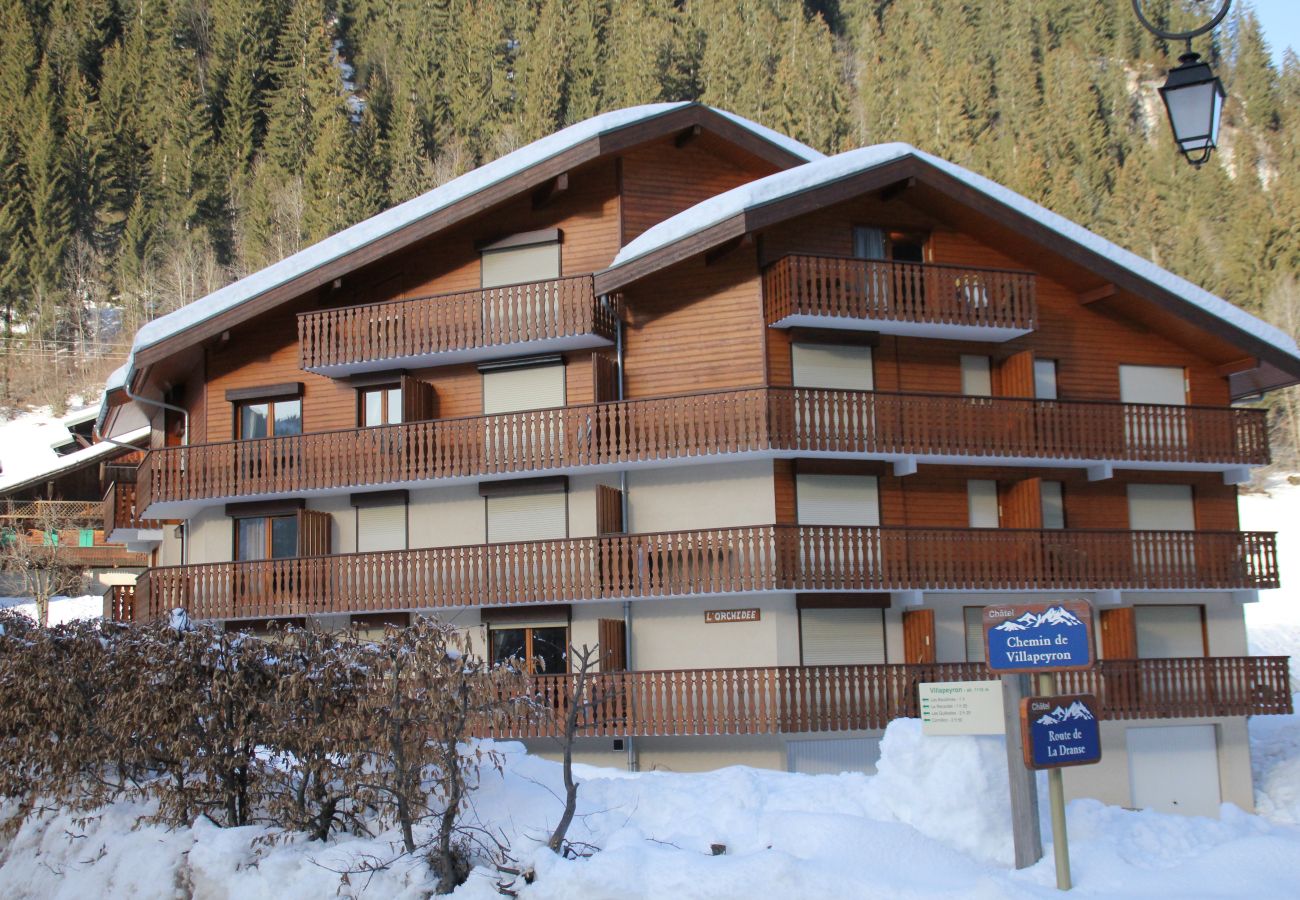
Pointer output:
x,y
918,636
418,404
313,532
1022,503
609,510
1015,375
1118,633
846,636
612,634
604,377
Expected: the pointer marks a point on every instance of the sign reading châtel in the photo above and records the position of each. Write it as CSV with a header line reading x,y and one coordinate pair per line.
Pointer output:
x,y
1060,731
1039,637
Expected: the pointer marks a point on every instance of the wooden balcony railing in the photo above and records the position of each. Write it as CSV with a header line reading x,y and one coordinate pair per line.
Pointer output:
x,y
424,327
714,561
801,699
37,512
119,603
775,420
872,290
120,510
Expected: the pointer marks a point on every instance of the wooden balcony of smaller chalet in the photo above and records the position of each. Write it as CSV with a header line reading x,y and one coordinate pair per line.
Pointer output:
x,y
905,429
720,561
821,699
34,512
121,516
443,329
960,303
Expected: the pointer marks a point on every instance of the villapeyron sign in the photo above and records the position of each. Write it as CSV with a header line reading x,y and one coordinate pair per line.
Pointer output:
x,y
1039,637
717,616
1060,731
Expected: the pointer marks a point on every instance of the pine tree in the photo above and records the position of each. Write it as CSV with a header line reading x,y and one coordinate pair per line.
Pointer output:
x,y
49,201
811,105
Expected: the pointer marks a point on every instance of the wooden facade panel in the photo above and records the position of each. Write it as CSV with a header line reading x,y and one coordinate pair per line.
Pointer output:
x,y
696,328
662,179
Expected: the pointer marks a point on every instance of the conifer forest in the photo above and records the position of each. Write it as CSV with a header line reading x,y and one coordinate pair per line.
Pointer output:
x,y
158,149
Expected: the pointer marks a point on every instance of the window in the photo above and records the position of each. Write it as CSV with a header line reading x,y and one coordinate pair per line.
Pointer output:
x,y
982,503
832,366
1045,379
837,500
1161,507
976,376
516,388
527,517
266,537
541,648
380,406
1164,385
898,246
1166,632
974,622
521,258
268,418
381,527
1052,499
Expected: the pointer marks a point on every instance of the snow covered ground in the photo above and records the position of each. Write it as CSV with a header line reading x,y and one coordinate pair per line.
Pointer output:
x,y
933,823
62,609
1273,624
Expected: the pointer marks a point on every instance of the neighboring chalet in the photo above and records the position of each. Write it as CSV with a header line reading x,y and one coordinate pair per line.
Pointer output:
x,y
770,427
53,481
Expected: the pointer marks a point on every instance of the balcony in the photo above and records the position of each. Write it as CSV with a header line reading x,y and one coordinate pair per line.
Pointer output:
x,y
536,317
56,512
758,422
908,299
122,522
757,559
821,699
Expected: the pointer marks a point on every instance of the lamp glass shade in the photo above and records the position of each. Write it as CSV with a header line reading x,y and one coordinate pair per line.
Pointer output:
x,y
1194,96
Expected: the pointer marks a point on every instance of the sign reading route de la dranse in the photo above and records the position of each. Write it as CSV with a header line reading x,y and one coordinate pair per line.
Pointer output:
x,y
1039,637
1060,731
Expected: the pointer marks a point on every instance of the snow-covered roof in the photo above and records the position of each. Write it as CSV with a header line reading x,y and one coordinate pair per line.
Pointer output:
x,y
828,170
27,447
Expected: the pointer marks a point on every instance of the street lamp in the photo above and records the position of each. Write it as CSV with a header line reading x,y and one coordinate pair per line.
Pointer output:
x,y
1192,93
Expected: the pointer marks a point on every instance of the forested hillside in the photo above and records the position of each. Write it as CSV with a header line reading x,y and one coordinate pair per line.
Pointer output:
x,y
157,149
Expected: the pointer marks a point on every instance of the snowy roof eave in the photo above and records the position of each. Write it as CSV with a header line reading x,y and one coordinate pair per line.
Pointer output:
x,y
391,220
70,462
783,185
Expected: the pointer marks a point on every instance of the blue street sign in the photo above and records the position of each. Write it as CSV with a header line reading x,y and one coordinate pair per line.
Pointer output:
x,y
1039,637
1060,731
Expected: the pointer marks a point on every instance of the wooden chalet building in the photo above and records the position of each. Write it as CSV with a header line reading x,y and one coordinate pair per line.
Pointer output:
x,y
770,427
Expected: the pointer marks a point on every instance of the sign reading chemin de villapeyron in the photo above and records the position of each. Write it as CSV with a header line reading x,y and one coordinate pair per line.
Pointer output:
x,y
1060,731
1039,637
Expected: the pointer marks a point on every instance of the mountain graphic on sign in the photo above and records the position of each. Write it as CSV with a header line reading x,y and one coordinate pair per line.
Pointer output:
x,y
1055,617
1076,710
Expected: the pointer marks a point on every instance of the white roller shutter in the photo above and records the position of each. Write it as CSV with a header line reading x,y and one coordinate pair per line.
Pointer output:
x,y
982,503
533,387
837,500
1152,384
517,265
832,366
974,621
1169,632
834,637
1161,507
530,517
1052,499
1045,379
381,528
976,376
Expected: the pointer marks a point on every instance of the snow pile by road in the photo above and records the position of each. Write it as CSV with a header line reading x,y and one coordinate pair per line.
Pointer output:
x,y
932,824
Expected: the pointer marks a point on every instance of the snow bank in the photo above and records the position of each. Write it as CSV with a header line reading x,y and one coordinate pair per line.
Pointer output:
x,y
1275,759
62,609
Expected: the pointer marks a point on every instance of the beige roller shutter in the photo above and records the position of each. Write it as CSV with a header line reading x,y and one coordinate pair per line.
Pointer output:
x,y
982,503
832,366
530,517
1161,507
517,265
837,500
974,621
381,528
532,387
976,376
1166,632
1052,500
833,637
1153,384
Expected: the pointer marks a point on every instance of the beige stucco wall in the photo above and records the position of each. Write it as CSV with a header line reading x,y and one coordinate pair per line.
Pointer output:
x,y
671,634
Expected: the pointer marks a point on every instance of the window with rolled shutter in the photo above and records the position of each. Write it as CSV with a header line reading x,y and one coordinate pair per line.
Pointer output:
x,y
846,636
1166,632
381,528
974,622
976,376
527,517
832,366
982,503
531,387
837,500
519,265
